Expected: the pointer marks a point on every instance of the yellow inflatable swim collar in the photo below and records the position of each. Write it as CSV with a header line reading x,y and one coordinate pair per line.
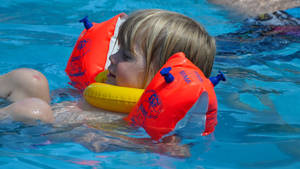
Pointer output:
x,y
111,97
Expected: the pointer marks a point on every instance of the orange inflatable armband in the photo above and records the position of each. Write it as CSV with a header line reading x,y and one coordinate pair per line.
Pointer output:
x,y
177,92
93,47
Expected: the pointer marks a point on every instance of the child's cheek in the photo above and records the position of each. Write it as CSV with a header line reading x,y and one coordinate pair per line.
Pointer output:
x,y
123,74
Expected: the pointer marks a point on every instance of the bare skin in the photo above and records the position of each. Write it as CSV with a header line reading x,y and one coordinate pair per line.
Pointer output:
x,y
29,110
24,83
32,105
28,89
257,7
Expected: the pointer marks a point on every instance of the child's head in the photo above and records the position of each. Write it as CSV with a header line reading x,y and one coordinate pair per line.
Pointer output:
x,y
149,37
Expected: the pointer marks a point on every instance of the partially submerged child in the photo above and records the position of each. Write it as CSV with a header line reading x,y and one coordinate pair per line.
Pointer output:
x,y
147,39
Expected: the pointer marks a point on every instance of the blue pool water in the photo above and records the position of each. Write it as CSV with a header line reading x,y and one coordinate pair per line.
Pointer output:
x,y
258,121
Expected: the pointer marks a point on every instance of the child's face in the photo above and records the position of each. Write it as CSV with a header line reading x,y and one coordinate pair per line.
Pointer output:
x,y
127,69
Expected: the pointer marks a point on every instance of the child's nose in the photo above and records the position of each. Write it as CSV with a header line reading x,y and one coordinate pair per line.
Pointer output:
x,y
112,58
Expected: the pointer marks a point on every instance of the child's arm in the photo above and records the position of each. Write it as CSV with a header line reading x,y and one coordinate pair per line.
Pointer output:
x,y
29,110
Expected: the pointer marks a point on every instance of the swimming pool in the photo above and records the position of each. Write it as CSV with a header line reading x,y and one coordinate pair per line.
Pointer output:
x,y
258,125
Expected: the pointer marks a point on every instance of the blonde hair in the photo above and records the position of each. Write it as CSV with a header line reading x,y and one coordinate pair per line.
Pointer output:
x,y
159,34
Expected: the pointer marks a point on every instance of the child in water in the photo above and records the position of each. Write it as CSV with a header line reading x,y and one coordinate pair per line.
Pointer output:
x,y
147,39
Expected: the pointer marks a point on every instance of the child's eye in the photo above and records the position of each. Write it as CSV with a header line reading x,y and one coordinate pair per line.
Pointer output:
x,y
127,56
